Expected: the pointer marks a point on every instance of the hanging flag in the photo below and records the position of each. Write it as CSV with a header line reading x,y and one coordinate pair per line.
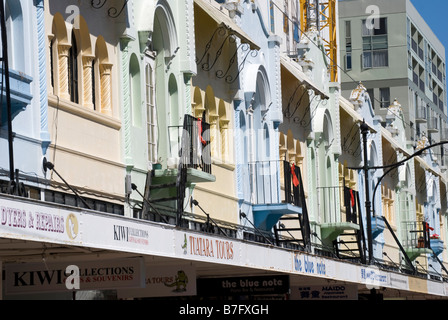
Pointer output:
x,y
352,198
200,131
295,181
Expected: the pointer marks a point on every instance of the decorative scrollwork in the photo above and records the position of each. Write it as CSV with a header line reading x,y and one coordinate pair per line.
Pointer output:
x,y
287,112
222,38
112,12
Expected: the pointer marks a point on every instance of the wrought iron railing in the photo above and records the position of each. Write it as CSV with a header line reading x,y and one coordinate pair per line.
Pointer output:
x,y
339,204
416,234
266,178
190,144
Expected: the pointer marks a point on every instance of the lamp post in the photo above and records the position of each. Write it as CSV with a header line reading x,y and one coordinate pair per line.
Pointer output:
x,y
364,131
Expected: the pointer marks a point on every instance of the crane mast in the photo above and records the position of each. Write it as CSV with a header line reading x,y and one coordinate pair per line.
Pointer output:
x,y
321,16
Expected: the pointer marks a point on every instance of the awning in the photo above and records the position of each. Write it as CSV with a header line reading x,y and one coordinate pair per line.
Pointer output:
x,y
345,105
211,8
301,76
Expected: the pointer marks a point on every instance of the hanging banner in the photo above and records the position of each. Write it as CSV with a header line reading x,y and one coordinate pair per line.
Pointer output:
x,y
85,275
165,281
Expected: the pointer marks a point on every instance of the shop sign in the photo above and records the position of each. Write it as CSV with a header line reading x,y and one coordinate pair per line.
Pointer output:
x,y
262,285
25,220
325,292
373,277
398,281
89,275
205,248
311,265
165,281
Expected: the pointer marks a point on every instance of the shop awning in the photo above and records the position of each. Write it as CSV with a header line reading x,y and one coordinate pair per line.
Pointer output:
x,y
222,18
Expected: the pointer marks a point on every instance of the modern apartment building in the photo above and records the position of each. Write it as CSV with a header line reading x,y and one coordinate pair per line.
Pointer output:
x,y
390,48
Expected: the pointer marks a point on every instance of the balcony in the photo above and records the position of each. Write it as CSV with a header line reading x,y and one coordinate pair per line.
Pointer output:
x,y
189,144
433,125
338,217
188,162
20,88
414,45
270,200
416,238
420,114
342,228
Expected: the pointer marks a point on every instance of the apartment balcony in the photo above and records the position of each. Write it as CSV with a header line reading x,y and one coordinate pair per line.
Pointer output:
x,y
416,238
420,114
20,88
338,215
433,125
270,199
189,145
444,134
342,228
189,162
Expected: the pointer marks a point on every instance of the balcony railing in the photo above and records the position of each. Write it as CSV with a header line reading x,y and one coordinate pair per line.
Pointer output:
x,y
420,114
414,45
415,78
190,143
339,204
266,182
416,234
421,85
433,124
420,54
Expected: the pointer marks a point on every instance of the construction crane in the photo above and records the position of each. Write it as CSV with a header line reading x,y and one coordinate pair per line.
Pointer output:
x,y
321,16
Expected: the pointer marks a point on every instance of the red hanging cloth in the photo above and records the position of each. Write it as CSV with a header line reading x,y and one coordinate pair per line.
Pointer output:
x,y
200,131
352,198
295,181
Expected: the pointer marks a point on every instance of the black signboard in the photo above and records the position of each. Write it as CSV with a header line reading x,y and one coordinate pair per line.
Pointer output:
x,y
262,285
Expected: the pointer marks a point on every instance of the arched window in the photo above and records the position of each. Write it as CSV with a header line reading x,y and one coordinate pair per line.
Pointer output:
x,y
223,124
73,70
151,116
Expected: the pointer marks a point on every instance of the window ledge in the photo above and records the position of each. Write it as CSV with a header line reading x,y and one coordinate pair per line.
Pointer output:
x,y
83,112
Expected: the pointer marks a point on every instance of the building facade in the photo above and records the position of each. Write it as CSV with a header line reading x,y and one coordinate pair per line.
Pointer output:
x,y
375,36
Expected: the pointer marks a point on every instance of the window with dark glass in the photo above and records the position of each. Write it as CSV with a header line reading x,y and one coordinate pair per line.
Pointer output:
x,y
385,97
375,44
73,71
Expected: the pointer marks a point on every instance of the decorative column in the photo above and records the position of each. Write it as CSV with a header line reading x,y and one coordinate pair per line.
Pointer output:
x,y
214,134
63,53
87,84
225,150
43,94
105,81
126,100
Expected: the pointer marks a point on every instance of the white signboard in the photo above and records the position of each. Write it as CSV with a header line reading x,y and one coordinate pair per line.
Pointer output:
x,y
165,281
373,277
26,220
313,265
205,248
325,292
46,277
